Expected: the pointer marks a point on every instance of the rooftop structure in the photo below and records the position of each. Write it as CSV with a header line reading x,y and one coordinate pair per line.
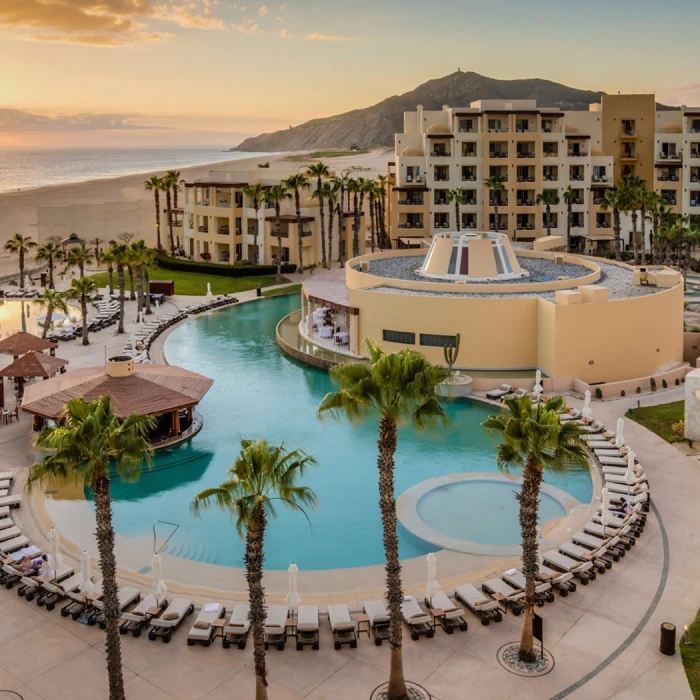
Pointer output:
x,y
22,342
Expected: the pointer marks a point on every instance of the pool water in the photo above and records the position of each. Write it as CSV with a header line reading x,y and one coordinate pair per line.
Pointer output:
x,y
481,511
17,315
259,392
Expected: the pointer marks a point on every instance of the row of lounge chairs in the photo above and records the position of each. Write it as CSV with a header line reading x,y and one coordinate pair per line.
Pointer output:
x,y
27,293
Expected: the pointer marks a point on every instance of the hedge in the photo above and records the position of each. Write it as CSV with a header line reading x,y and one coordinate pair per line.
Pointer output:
x,y
205,268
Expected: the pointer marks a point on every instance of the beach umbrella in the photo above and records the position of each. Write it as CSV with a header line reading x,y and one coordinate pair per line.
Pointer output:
x,y
292,600
586,411
605,508
159,586
55,556
157,305
538,384
86,585
619,438
27,281
67,323
629,472
209,294
433,585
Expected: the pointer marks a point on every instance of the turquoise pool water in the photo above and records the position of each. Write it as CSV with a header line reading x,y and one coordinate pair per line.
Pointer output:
x,y
259,392
480,511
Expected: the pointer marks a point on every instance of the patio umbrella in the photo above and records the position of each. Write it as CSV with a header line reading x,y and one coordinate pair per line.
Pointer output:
x,y
629,472
86,585
605,511
159,586
586,411
55,556
619,439
209,294
292,599
157,305
433,585
538,384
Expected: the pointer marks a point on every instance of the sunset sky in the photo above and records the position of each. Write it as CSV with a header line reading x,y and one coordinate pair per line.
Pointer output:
x,y
181,72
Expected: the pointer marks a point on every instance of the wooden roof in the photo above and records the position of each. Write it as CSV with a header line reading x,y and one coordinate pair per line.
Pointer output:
x,y
150,390
22,342
34,364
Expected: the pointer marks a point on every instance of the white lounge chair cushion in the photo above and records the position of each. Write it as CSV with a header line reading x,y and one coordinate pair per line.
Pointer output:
x,y
202,627
475,598
238,622
307,618
376,611
276,619
412,612
339,617
14,543
174,613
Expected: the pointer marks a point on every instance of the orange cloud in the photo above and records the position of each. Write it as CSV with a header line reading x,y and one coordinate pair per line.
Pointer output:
x,y
315,36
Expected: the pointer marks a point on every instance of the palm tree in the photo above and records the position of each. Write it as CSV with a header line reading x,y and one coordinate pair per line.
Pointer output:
x,y
633,187
255,193
550,198
353,187
80,256
166,183
49,253
20,245
262,474
107,258
400,387
154,184
96,242
496,186
53,301
319,171
363,185
296,183
456,196
569,197
122,258
275,195
383,186
330,193
616,200
647,203
149,258
82,447
139,252
130,271
371,189
320,193
341,182
174,179
535,442
81,290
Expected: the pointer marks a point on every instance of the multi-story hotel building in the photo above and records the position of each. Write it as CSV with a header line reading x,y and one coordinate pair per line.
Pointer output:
x,y
535,149
219,222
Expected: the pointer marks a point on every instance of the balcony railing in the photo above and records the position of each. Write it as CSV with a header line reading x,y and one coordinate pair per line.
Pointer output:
x,y
695,153
628,155
203,229
550,178
411,202
498,129
577,154
627,131
602,224
225,205
695,199
468,178
470,130
468,154
576,178
669,200
306,234
525,226
441,202
550,154
667,177
526,178
442,178
411,225
441,224
526,202
203,203
441,154
577,224
675,156
526,154
498,154
502,226
599,178
414,178
498,203
524,130
223,230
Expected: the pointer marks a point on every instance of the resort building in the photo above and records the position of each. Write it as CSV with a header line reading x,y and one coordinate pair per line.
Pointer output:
x,y
219,222
537,149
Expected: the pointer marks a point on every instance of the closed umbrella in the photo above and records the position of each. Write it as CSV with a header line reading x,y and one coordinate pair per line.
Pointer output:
x,y
538,384
605,508
629,472
86,585
159,586
54,555
586,411
132,338
433,585
209,294
292,600
619,438
157,305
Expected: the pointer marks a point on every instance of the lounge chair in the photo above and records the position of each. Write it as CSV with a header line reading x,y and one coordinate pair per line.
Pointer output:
x,y
560,562
9,533
599,444
15,543
237,628
485,608
417,620
620,479
203,628
30,586
276,626
499,393
13,501
602,547
624,533
307,627
55,591
6,523
543,591
378,619
595,427
140,617
612,461
342,626
505,594
7,476
164,625
126,596
579,553
562,581
452,617
80,602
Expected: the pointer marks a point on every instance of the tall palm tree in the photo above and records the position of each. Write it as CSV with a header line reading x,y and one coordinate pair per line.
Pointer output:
x,y
383,187
647,204
456,196
319,171
139,252
262,474
534,441
107,258
149,258
496,186
341,183
615,199
296,183
330,193
320,194
255,193
569,196
371,189
80,256
174,179
353,187
50,253
275,195
363,186
81,448
633,187
550,198
166,183
399,387
122,259
53,301
154,184
82,290
96,243
20,245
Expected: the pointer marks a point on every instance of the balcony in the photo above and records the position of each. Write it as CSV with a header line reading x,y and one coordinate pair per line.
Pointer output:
x,y
202,203
577,154
498,202
468,178
669,177
527,178
409,224
525,226
602,224
306,234
550,177
577,223
440,154
669,199
675,156
550,154
466,130
526,154
440,201
468,153
695,152
599,178
412,202
575,177
414,178
526,202
498,128
223,230
502,225
498,154
225,204
627,129
628,155
442,178
203,229
695,199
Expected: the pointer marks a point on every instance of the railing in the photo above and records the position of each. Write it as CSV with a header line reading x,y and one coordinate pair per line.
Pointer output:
x,y
599,178
577,224
524,130
629,155
239,232
578,154
193,429
498,154
669,200
306,234
224,230
469,131
412,178
440,202
203,203
527,178
667,177
441,154
525,227
526,203
498,130
502,226
411,202
224,205
576,178
468,178
442,178
627,132
468,154
550,154
441,224
670,156
409,225
602,224
527,154
494,203
203,229
550,178
694,154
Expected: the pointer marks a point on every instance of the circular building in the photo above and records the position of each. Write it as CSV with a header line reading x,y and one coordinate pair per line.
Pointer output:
x,y
515,309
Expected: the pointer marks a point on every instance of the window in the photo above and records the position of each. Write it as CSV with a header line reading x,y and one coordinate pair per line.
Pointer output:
x,y
466,125
399,337
438,341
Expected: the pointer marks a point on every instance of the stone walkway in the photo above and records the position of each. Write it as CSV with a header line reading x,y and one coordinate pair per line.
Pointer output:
x,y
46,657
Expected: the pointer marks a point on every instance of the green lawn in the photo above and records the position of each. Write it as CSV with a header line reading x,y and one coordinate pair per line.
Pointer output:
x,y
279,291
659,419
195,283
690,653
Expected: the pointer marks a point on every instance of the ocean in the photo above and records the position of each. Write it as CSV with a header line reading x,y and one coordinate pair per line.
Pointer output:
x,y
28,168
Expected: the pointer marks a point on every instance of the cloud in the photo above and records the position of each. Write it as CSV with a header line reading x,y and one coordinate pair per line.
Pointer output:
x,y
23,120
250,28
284,33
263,10
315,36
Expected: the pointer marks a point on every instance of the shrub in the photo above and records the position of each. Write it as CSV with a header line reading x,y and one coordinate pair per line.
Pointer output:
x,y
652,382
598,393
678,429
622,393
664,384
237,270
639,389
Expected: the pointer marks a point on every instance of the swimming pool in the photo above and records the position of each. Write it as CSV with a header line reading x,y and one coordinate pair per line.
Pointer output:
x,y
259,392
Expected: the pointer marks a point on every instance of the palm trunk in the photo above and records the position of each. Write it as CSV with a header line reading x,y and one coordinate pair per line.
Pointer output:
x,y
139,289
255,233
175,191
371,220
616,230
528,498
548,213
51,272
297,205
156,195
47,321
394,592
120,275
81,269
654,240
21,268
108,566
355,228
322,215
569,212
457,215
341,234
132,293
359,218
278,231
385,238
84,312
331,215
644,234
110,272
168,204
147,293
634,237
495,218
254,558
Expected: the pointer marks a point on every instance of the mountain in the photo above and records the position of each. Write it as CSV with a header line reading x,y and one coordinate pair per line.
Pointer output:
x,y
376,125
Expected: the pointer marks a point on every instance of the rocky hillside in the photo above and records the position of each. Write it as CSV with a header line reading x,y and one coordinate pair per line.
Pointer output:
x,y
375,126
